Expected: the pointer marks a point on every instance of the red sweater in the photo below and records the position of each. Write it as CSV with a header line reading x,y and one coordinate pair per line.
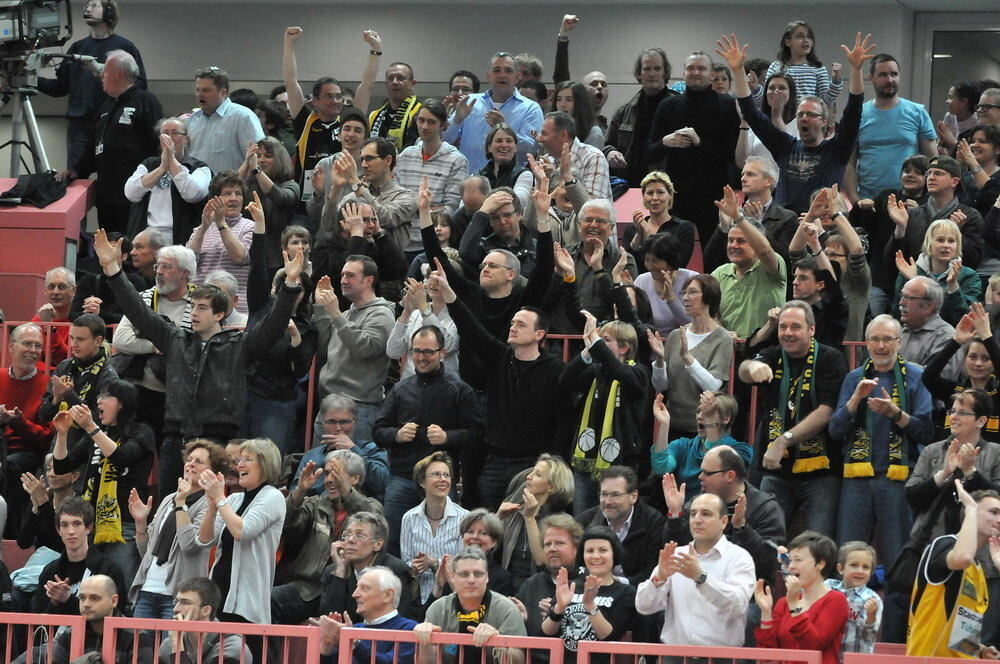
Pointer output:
x,y
58,342
820,627
25,432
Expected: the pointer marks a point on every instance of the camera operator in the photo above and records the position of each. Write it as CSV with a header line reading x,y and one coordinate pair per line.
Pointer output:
x,y
80,78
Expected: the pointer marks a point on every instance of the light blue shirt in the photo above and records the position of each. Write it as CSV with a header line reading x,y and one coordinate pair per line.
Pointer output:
x,y
521,113
859,636
221,139
886,139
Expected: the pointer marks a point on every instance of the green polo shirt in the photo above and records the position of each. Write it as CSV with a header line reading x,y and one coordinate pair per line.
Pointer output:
x,y
746,301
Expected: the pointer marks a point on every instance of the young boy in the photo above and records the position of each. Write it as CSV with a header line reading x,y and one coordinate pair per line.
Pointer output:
x,y
855,564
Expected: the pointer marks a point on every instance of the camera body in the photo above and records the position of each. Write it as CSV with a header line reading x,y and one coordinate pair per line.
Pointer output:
x,y
27,25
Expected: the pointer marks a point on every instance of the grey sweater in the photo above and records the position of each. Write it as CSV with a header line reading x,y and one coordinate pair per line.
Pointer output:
x,y
714,353
356,361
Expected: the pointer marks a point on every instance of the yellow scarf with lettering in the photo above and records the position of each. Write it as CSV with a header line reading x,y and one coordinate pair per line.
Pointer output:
x,y
108,511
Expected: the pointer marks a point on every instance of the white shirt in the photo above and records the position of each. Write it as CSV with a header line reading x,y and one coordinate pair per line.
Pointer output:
x,y
711,614
417,536
192,186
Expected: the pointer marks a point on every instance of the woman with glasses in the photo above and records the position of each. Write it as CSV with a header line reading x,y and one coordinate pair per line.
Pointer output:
x,y
547,488
481,529
268,174
166,541
167,190
596,606
981,182
245,528
982,357
941,260
664,280
116,456
430,530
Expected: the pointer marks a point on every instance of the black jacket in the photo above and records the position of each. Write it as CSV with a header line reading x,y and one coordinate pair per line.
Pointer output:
x,y
763,533
525,409
206,381
96,563
642,543
920,220
126,134
337,592
628,132
96,285
186,216
81,375
438,398
331,253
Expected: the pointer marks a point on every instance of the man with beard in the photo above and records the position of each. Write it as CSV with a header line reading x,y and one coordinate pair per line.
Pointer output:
x,y
314,523
137,359
625,144
892,129
696,133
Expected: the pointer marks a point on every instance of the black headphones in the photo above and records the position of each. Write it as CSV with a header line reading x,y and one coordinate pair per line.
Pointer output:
x,y
110,12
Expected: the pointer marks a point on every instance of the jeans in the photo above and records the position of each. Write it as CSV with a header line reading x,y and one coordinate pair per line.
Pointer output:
x,y
153,605
275,420
874,509
126,555
585,494
496,475
878,301
401,496
816,496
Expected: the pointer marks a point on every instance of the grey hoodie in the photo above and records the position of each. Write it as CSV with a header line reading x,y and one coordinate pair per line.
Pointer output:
x,y
356,361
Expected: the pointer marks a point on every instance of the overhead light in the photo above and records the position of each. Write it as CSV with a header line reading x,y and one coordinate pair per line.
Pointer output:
x,y
942,55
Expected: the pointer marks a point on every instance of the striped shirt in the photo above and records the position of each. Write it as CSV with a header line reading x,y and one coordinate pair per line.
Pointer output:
x,y
444,170
213,256
809,80
417,537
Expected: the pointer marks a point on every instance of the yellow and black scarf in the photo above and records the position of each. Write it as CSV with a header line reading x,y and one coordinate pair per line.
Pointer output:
x,y
86,377
472,619
102,482
858,461
592,454
796,399
993,421
398,120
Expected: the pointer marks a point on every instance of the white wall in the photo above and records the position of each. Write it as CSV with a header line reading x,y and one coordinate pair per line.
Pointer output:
x,y
175,39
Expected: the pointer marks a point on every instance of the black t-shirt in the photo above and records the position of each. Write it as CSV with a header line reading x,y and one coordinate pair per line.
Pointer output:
x,y
617,604
323,141
831,368
126,135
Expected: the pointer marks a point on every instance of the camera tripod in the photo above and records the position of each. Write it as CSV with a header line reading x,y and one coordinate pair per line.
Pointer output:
x,y
20,77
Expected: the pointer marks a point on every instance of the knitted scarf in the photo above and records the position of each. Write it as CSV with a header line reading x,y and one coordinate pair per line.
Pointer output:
x,y
468,619
151,297
589,456
809,455
87,375
102,482
858,461
398,120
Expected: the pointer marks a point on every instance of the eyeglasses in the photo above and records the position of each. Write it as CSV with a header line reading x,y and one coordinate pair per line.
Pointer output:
x,y
438,476
494,266
883,340
355,535
371,157
910,298
613,495
600,221
808,114
960,413
709,473
987,107
244,459
461,90
174,132
58,286
31,345
424,352
164,267
331,421
471,573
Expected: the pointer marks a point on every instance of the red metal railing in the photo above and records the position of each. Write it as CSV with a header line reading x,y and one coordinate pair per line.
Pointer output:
x,y
32,623
587,649
864,658
298,643
349,635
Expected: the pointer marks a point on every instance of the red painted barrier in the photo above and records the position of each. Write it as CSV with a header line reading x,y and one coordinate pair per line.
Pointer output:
x,y
864,658
300,642
618,648
31,624
349,635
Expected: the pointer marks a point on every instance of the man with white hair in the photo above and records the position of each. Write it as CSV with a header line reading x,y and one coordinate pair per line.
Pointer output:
x,y
126,135
924,331
166,189
595,254
377,596
137,359
60,289
759,179
229,285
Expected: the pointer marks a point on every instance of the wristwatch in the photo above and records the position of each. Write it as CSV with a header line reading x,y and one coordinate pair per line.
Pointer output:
x,y
256,171
701,578
592,613
897,416
788,436
356,186
180,508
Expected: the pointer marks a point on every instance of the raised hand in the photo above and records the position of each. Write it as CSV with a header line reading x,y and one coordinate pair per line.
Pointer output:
x,y
62,422
569,22
660,412
256,209
564,590
292,34
862,51
311,475
294,265
963,496
655,343
762,595
107,253
563,260
673,494
373,39
424,196
982,321
438,279
728,205
665,566
138,509
906,266
543,199
730,49
463,108
898,212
